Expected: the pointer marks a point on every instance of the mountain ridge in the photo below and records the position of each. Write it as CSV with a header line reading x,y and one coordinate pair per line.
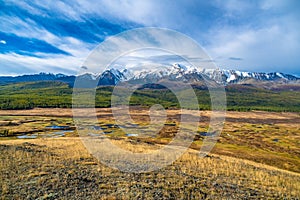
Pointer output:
x,y
180,72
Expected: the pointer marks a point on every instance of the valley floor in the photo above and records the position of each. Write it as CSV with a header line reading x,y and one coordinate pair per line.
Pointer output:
x,y
256,157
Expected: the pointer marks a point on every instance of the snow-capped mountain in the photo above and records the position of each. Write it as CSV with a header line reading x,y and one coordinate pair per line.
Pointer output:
x,y
234,76
150,74
146,74
189,74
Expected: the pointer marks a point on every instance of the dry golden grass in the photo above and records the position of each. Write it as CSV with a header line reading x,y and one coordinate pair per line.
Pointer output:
x,y
63,169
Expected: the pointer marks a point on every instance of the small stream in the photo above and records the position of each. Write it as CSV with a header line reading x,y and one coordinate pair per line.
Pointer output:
x,y
56,134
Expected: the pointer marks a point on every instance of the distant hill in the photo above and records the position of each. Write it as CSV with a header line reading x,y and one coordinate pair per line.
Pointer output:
x,y
37,77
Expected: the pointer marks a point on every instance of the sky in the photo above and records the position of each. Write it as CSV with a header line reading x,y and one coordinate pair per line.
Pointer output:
x,y
57,36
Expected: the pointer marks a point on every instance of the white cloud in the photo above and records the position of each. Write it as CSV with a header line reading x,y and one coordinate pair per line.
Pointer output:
x,y
13,64
234,7
21,27
43,62
265,34
29,29
267,49
266,38
2,41
49,8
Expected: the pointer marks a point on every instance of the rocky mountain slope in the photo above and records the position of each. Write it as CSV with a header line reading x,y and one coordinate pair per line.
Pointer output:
x,y
174,72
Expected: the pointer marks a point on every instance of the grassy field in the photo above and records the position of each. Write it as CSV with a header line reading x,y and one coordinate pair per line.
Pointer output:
x,y
257,157
63,169
59,95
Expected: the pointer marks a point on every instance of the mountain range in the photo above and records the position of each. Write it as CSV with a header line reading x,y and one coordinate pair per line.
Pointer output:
x,y
174,72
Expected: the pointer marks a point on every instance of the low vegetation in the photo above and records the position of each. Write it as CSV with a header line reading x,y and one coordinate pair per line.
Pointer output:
x,y
63,169
59,95
263,137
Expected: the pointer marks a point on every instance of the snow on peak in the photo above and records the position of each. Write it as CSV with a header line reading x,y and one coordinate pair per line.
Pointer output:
x,y
180,67
231,78
176,70
280,75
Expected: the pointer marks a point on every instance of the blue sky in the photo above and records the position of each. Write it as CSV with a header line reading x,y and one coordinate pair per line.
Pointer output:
x,y
56,36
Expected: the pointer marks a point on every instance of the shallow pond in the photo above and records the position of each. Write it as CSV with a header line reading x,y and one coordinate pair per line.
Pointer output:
x,y
28,136
55,127
132,135
56,134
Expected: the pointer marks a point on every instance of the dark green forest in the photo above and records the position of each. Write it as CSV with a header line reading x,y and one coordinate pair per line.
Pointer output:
x,y
51,94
